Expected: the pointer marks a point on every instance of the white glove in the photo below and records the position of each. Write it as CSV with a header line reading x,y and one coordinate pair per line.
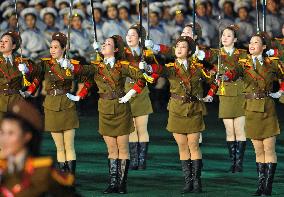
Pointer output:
x,y
276,94
200,55
23,68
208,99
72,97
96,46
149,44
142,65
67,64
127,97
34,55
25,94
270,52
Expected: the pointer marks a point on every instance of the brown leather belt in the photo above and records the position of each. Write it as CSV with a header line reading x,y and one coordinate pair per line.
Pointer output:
x,y
185,99
259,95
112,95
9,92
56,92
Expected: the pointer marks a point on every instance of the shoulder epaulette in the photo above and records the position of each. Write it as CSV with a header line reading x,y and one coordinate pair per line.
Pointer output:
x,y
273,58
3,164
242,60
41,162
170,64
278,39
243,50
95,62
133,67
63,179
124,62
213,49
46,58
74,61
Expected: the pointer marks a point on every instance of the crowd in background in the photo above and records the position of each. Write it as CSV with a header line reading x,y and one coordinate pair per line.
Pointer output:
x,y
39,19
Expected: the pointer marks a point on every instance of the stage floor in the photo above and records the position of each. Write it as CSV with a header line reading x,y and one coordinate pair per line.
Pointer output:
x,y
163,176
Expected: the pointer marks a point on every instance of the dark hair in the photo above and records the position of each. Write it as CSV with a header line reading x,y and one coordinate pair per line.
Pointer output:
x,y
233,29
118,44
61,38
33,145
31,14
190,43
16,39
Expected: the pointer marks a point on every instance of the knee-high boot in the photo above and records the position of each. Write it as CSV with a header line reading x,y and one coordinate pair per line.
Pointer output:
x,y
269,176
142,155
133,152
232,153
196,175
123,165
113,172
187,173
260,168
240,151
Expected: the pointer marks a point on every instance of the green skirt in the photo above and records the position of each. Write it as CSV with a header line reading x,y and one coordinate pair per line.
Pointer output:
x,y
140,104
116,121
185,125
261,119
58,121
231,106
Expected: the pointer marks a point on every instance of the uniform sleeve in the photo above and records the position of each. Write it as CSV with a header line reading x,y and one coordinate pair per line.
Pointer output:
x,y
134,73
211,56
85,74
36,76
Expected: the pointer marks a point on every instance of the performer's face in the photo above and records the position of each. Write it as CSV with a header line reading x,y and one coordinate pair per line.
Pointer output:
x,y
56,51
6,44
283,30
12,138
256,46
182,50
228,38
132,38
108,48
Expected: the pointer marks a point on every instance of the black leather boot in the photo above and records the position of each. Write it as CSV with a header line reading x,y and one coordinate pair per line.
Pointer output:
x,y
196,175
260,168
269,176
113,171
240,151
133,151
142,155
71,165
61,167
232,153
187,173
123,165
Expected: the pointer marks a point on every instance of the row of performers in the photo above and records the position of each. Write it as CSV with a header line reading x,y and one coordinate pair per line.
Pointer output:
x,y
243,79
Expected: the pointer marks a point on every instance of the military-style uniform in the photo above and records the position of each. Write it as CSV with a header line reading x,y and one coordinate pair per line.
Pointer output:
x,y
38,178
11,81
141,103
261,117
115,119
230,93
186,110
60,112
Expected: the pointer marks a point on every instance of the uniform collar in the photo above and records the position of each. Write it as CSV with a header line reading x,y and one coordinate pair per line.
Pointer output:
x,y
135,50
230,52
17,163
259,58
110,61
183,62
9,57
